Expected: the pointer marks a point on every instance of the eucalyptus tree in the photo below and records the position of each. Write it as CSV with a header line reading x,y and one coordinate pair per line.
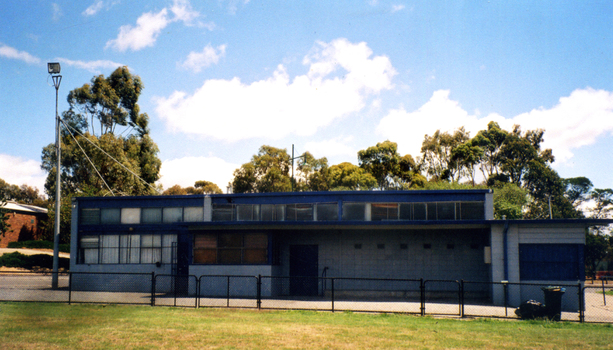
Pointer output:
x,y
391,171
350,177
437,151
106,146
268,171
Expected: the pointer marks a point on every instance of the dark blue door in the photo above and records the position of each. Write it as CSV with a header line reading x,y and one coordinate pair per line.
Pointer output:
x,y
303,267
183,258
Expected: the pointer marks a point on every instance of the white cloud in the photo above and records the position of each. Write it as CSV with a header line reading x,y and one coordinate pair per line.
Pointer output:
x,y
408,128
19,171
576,121
9,52
93,8
92,66
341,77
182,10
149,26
196,61
338,146
186,171
396,8
210,26
57,12
233,5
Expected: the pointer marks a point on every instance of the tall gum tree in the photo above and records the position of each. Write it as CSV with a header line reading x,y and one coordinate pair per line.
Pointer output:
x,y
106,147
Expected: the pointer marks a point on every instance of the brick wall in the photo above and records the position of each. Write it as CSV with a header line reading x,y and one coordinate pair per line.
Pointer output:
x,y
21,223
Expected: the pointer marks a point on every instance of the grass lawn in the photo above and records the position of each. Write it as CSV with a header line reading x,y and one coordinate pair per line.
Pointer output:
x,y
62,326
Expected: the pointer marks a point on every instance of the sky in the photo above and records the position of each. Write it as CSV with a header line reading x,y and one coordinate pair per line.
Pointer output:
x,y
224,77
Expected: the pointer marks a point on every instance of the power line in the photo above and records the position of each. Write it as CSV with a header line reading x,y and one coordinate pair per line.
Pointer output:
x,y
108,155
86,156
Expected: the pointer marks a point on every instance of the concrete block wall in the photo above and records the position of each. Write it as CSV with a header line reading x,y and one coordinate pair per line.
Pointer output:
x,y
451,254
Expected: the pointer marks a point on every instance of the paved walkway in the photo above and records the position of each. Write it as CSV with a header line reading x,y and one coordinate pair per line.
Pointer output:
x,y
32,252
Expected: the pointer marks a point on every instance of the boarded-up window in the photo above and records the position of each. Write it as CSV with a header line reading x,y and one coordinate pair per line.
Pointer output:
x,y
551,262
230,248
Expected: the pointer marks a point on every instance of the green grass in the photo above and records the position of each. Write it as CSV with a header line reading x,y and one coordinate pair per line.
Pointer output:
x,y
61,326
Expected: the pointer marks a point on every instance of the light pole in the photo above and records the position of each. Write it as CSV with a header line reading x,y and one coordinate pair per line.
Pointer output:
x,y
303,157
54,70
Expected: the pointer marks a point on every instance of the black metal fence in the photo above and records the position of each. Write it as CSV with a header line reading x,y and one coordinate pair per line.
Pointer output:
x,y
592,302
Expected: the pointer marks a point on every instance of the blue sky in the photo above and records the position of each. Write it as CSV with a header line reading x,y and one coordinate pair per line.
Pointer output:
x,y
223,78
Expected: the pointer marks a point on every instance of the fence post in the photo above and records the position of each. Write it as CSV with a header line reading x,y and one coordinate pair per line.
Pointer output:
x,y
604,295
152,288
505,289
228,292
581,294
422,297
259,292
69,287
332,292
462,298
198,292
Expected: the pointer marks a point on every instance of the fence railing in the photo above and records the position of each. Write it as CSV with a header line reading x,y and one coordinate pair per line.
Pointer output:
x,y
587,302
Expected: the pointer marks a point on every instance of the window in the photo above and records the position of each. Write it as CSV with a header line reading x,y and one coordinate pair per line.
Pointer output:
x,y
90,216
419,211
171,215
247,212
231,248
151,249
551,262
126,249
445,211
110,216
472,211
354,211
404,211
223,212
272,212
109,249
130,215
431,211
129,249
384,211
193,214
299,212
89,249
327,211
151,215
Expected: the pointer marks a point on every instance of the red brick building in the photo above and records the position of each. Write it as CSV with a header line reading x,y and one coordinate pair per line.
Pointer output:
x,y
25,222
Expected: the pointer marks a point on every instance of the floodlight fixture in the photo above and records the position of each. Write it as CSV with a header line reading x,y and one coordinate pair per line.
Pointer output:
x,y
54,67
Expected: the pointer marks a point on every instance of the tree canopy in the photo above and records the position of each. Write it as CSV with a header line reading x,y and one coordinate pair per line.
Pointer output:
x,y
105,143
99,158
200,187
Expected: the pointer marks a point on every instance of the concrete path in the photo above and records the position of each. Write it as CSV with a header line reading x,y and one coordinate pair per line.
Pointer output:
x,y
32,252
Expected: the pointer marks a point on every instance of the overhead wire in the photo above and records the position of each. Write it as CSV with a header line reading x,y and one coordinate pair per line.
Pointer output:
x,y
108,155
87,157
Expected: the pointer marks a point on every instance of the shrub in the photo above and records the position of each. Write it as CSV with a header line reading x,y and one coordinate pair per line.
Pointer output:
x,y
65,248
17,259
